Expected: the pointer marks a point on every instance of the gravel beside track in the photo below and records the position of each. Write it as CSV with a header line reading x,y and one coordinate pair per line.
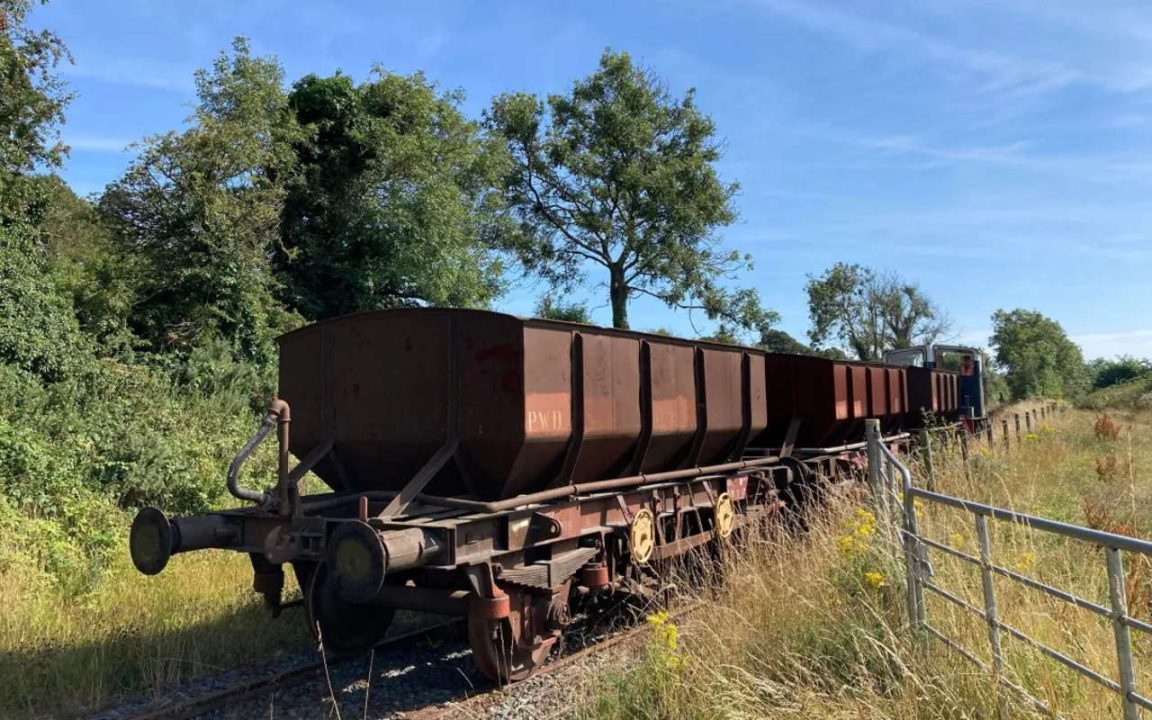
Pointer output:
x,y
418,675
296,686
553,691
570,679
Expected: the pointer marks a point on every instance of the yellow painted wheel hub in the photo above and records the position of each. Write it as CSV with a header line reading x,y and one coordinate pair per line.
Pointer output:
x,y
642,536
725,516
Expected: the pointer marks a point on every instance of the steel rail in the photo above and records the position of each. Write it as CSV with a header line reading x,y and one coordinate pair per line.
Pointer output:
x,y
464,704
246,689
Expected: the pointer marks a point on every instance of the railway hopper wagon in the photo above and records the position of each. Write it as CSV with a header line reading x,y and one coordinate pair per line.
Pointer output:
x,y
934,391
501,469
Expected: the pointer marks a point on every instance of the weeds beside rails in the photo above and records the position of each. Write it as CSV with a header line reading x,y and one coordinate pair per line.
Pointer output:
x,y
64,655
815,626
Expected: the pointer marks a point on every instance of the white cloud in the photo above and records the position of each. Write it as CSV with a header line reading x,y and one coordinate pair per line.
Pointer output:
x,y
1104,169
1001,73
98,144
141,72
1132,342
997,154
974,338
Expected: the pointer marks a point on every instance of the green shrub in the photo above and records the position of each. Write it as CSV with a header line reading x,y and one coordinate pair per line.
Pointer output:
x,y
77,456
38,330
1131,394
1106,373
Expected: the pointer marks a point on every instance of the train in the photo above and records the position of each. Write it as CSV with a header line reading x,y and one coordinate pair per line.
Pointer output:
x,y
504,469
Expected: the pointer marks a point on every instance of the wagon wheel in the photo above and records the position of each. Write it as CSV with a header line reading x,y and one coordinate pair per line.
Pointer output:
x,y
797,493
725,538
800,495
337,625
510,649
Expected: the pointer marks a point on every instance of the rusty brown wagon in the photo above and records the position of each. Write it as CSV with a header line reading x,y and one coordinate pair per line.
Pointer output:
x,y
498,468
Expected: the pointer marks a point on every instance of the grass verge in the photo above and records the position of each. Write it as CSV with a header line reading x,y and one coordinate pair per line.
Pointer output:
x,y
810,626
816,626
64,654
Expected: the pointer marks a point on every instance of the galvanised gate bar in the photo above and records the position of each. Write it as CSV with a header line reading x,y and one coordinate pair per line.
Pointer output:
x,y
887,472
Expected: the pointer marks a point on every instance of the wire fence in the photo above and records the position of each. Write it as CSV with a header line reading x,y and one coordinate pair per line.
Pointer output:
x,y
896,499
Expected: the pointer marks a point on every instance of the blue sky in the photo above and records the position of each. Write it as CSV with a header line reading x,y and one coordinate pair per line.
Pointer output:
x,y
1000,154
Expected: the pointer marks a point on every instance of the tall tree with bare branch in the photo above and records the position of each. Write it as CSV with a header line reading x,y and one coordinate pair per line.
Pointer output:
x,y
619,175
868,312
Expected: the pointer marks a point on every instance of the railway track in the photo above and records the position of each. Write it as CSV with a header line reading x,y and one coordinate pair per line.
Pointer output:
x,y
474,704
469,702
239,692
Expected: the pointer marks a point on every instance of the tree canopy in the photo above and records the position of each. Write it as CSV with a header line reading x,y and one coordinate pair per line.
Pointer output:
x,y
276,207
32,102
778,341
619,175
550,308
39,333
392,201
1108,372
868,312
1037,357
201,210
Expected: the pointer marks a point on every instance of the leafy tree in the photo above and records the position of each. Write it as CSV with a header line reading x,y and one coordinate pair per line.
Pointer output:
x,y
92,267
868,312
32,102
778,341
392,202
38,331
1106,373
202,209
620,175
551,309
723,334
996,390
1037,357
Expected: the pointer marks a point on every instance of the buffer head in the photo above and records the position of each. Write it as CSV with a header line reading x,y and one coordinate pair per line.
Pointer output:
x,y
151,541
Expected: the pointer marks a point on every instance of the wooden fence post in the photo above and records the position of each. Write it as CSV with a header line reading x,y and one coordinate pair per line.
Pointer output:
x,y
924,441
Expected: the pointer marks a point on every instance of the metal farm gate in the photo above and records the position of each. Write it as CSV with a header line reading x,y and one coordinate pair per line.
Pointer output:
x,y
896,499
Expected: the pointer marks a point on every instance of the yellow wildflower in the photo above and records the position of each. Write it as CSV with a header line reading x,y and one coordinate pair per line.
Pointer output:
x,y
665,643
874,579
858,531
658,618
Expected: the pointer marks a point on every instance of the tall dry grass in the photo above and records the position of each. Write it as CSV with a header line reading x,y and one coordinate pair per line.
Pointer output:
x,y
63,654
816,626
804,626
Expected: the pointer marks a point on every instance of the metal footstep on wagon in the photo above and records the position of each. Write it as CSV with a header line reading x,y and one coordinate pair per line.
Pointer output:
x,y
896,499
